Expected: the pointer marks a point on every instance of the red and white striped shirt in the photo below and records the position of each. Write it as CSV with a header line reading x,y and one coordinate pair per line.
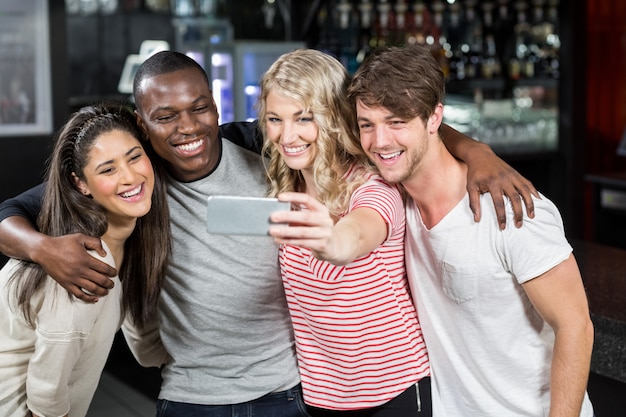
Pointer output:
x,y
358,339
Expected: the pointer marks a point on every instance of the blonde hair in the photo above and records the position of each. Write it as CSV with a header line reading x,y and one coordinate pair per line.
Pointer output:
x,y
319,82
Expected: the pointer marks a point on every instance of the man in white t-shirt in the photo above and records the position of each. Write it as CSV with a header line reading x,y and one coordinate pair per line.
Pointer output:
x,y
504,312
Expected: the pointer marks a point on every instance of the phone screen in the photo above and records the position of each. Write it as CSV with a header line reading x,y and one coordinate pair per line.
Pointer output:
x,y
233,215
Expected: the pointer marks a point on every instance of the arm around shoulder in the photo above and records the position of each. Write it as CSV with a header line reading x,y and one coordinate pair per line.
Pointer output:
x,y
64,258
486,172
17,223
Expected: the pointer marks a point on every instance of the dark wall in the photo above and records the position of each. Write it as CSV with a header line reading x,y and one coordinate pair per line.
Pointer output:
x,y
22,158
97,47
248,20
573,107
98,44
604,89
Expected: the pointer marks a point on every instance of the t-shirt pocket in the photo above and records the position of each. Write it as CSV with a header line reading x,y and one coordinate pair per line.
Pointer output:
x,y
460,283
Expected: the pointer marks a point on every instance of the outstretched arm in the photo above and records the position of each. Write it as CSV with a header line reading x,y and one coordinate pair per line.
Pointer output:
x,y
353,236
489,173
64,258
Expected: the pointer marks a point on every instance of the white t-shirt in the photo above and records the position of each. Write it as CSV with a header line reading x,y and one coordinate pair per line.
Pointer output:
x,y
54,367
490,350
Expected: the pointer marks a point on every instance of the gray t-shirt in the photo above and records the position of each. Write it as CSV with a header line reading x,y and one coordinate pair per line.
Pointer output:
x,y
224,317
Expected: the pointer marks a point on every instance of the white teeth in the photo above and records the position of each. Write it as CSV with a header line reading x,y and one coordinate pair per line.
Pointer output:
x,y
296,149
131,193
191,146
390,155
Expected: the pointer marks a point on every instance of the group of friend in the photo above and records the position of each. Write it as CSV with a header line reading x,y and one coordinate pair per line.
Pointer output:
x,y
417,273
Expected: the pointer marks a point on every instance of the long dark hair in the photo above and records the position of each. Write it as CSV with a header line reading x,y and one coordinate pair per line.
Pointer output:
x,y
66,210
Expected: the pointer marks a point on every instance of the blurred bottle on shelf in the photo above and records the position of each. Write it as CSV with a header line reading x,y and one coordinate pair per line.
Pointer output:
x,y
518,67
416,32
546,38
491,65
346,19
159,6
382,29
401,9
491,40
437,40
456,62
366,17
472,43
500,58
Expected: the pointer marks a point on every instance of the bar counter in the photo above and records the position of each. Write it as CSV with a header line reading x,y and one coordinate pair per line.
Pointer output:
x,y
603,270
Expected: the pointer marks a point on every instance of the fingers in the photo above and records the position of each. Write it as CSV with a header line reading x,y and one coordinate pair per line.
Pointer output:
x,y
498,203
518,210
301,225
99,272
95,282
474,198
315,213
516,188
80,294
527,191
311,229
302,200
93,243
87,289
67,261
523,192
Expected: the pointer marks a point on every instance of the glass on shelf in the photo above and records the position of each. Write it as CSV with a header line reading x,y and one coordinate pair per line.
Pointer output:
x,y
514,125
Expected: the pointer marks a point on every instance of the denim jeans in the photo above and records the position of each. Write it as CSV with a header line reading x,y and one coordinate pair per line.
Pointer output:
x,y
278,404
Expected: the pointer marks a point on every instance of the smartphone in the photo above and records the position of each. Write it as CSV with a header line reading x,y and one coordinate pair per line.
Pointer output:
x,y
233,215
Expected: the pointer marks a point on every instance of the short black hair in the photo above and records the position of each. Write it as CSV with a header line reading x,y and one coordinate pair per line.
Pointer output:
x,y
164,62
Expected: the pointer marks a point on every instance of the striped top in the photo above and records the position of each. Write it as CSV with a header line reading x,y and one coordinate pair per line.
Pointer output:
x,y
358,339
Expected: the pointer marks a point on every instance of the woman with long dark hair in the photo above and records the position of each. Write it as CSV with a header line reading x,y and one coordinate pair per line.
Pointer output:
x,y
100,182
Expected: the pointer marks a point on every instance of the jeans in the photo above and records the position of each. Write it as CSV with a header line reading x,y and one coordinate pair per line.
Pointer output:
x,y
277,404
413,402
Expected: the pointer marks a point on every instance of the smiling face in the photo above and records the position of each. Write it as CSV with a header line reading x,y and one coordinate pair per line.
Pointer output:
x,y
180,118
396,146
118,175
292,131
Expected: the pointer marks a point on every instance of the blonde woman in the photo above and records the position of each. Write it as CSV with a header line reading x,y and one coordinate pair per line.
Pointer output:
x,y
358,339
